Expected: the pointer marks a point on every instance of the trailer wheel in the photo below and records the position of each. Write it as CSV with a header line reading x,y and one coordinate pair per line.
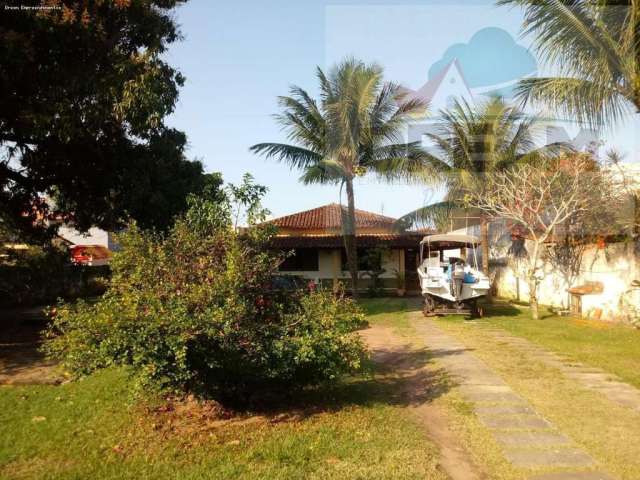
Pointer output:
x,y
428,306
477,310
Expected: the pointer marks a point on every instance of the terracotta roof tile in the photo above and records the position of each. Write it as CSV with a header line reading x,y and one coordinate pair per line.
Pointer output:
x,y
408,240
329,217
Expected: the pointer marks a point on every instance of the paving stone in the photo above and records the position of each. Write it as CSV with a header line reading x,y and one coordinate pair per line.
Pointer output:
x,y
502,409
466,371
572,476
483,379
531,439
619,387
591,377
486,388
515,422
548,458
470,373
494,397
623,399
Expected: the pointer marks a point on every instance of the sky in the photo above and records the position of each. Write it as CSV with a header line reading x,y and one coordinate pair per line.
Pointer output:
x,y
239,56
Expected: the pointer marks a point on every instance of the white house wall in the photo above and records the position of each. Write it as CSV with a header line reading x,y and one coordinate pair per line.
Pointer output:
x,y
614,266
94,236
390,263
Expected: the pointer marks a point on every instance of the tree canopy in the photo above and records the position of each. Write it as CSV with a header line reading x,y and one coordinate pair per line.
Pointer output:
x,y
83,94
354,128
471,141
594,45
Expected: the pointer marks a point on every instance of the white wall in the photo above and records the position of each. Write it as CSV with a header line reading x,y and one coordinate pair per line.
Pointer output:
x,y
614,266
390,263
95,236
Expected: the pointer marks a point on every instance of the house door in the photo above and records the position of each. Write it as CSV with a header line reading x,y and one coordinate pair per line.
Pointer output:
x,y
411,270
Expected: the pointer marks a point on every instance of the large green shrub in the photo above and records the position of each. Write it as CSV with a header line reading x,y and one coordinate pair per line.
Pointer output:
x,y
194,311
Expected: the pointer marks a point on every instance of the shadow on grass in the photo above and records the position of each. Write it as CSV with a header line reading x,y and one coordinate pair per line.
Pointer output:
x,y
21,361
396,376
502,309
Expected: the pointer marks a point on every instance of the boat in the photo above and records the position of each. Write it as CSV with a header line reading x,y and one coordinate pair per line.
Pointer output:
x,y
449,283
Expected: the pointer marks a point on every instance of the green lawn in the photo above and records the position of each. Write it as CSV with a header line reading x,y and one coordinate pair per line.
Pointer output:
x,y
606,430
614,348
92,429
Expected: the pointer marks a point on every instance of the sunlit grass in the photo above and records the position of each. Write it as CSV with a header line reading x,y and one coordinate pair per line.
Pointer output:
x,y
608,431
94,429
611,347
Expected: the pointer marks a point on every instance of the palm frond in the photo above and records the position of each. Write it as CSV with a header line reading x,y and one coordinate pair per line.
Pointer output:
x,y
323,172
436,215
404,162
594,46
297,157
591,103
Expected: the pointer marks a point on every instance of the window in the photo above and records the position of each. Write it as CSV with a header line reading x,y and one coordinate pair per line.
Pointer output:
x,y
303,259
369,259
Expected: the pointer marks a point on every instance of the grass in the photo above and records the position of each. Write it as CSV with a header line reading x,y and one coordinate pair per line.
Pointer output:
x,y
614,348
93,429
390,312
400,314
606,430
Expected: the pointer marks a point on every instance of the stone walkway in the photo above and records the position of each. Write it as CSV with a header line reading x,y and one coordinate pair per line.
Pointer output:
x,y
528,440
595,379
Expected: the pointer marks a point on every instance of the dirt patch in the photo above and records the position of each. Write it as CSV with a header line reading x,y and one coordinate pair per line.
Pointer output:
x,y
189,421
398,357
21,362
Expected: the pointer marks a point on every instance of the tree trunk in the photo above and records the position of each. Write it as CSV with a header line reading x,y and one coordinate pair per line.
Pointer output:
x,y
533,279
484,238
533,297
349,230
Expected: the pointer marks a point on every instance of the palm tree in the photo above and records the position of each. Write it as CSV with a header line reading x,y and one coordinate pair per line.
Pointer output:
x,y
470,143
595,47
354,128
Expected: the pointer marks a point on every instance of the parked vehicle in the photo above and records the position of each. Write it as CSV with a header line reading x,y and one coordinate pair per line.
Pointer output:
x,y
288,283
449,284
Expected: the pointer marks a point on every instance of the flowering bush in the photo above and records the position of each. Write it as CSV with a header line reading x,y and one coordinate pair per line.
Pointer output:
x,y
194,311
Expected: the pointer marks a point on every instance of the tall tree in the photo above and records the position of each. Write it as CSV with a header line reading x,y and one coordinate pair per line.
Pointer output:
x,y
355,128
594,45
548,199
83,95
471,142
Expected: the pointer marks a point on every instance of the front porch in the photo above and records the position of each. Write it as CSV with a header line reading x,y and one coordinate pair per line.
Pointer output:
x,y
386,264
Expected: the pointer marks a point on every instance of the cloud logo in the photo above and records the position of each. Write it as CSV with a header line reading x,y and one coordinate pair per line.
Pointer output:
x,y
492,57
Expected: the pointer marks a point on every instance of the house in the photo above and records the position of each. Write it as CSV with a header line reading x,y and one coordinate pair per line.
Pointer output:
x,y
92,248
314,238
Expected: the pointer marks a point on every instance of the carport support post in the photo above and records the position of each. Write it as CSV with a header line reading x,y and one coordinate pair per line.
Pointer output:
x,y
484,238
